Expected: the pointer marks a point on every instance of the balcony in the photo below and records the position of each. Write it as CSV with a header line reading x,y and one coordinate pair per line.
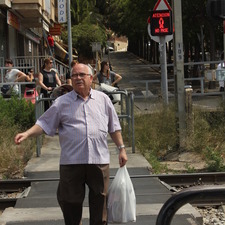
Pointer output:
x,y
5,3
30,12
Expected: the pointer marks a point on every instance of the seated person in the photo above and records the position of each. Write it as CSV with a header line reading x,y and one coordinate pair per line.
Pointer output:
x,y
106,76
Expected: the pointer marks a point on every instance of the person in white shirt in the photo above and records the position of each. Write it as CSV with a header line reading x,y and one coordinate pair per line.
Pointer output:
x,y
14,75
221,82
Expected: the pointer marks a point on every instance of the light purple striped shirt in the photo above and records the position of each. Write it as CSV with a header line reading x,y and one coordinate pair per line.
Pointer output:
x,y
83,127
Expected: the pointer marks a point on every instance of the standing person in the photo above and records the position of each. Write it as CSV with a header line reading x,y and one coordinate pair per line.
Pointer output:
x,y
48,79
14,75
106,76
30,92
30,78
83,117
221,66
51,44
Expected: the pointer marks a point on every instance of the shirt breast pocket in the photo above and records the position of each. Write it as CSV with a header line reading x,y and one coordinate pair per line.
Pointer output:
x,y
101,125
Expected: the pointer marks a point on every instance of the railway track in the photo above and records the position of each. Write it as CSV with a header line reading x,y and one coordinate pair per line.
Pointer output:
x,y
175,182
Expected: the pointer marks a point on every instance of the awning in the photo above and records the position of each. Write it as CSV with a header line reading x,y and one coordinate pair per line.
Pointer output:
x,y
61,53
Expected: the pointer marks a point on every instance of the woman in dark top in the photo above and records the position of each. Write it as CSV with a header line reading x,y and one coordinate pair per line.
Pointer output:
x,y
48,79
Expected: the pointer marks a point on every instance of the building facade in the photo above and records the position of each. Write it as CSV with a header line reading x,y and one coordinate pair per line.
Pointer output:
x,y
24,25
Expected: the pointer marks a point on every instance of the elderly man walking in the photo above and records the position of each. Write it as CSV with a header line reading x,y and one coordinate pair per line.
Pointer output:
x,y
83,118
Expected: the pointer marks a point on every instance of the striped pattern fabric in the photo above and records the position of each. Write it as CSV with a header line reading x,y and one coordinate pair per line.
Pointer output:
x,y
83,126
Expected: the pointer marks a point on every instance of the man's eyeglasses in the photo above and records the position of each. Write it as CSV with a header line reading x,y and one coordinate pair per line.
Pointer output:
x,y
51,62
81,75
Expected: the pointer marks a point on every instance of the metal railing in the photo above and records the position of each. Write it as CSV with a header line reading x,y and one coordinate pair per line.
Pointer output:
x,y
36,62
20,84
189,195
126,113
3,69
202,68
147,82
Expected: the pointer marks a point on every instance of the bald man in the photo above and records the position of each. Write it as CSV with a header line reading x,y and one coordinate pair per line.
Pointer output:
x,y
83,118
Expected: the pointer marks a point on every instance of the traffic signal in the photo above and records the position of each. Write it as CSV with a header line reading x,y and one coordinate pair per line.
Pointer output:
x,y
216,9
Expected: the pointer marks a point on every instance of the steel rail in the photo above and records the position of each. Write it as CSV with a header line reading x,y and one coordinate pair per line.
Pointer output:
x,y
177,180
171,179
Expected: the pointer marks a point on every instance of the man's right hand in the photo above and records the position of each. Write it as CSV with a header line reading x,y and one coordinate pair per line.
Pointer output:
x,y
20,137
32,132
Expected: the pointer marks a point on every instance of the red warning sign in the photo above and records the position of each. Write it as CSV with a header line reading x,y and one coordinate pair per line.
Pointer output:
x,y
161,22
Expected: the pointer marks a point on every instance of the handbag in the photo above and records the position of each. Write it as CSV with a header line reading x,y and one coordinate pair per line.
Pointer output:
x,y
6,89
121,204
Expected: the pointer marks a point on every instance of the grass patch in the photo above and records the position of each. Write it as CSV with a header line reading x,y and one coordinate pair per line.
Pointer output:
x,y
13,157
156,136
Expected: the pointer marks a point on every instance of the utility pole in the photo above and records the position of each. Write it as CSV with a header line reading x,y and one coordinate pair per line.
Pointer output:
x,y
69,33
179,71
224,40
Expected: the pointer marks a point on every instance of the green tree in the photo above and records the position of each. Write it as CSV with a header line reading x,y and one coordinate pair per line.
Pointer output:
x,y
87,27
129,18
84,34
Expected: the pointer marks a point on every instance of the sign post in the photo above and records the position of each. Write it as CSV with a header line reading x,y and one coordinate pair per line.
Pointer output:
x,y
160,29
96,47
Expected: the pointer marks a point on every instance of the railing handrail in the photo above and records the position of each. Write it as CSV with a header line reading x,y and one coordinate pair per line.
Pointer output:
x,y
185,64
37,62
40,57
201,79
189,195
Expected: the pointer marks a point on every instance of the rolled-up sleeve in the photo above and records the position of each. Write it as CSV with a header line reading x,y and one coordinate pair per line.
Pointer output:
x,y
49,121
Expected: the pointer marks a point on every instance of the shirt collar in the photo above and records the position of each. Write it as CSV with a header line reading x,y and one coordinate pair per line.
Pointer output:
x,y
76,95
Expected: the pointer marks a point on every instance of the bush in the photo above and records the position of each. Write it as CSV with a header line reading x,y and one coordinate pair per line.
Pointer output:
x,y
17,112
15,115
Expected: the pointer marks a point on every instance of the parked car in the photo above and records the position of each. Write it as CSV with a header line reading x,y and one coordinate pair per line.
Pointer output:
x,y
108,49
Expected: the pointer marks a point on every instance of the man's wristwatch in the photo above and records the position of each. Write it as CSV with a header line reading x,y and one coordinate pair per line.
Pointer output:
x,y
121,146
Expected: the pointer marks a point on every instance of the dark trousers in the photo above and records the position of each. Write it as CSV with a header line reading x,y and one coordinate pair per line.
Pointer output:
x,y
71,192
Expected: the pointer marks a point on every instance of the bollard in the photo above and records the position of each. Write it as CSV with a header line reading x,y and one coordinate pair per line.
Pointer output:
x,y
189,112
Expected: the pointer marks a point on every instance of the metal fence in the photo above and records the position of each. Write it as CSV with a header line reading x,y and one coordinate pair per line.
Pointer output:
x,y
205,77
36,62
24,63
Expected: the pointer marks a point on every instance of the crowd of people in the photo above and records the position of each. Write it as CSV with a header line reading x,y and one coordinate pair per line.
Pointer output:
x,y
48,78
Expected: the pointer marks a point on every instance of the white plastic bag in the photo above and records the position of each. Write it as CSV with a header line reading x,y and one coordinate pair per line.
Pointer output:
x,y
121,203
